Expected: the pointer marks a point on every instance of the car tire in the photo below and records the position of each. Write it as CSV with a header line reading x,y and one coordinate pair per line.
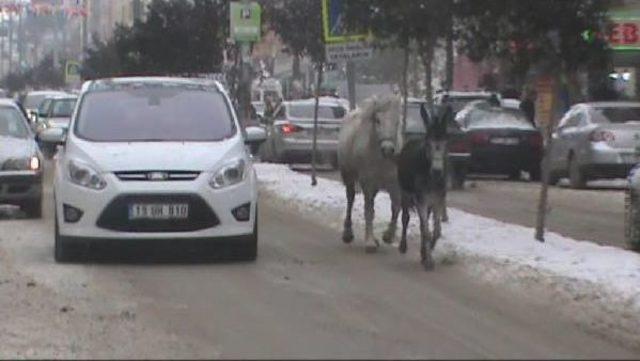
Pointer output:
x,y
535,174
577,179
248,251
33,209
63,252
632,220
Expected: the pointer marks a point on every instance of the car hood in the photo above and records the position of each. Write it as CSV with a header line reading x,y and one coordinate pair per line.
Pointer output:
x,y
16,148
160,156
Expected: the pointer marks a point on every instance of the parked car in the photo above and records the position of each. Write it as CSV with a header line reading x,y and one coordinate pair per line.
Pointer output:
x,y
31,101
596,140
290,135
54,112
502,140
154,159
20,161
459,99
459,152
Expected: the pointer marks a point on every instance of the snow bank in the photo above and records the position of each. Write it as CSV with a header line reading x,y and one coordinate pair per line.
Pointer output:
x,y
583,270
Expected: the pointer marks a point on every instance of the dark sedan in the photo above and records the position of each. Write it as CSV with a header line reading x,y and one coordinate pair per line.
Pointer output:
x,y
502,141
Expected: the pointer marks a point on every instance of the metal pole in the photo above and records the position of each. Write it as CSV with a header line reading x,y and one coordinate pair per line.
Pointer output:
x,y
314,157
351,84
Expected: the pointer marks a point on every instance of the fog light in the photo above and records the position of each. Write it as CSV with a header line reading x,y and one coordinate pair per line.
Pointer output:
x,y
71,214
242,213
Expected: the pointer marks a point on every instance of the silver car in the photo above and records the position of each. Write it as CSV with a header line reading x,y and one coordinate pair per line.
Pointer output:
x,y
596,140
290,134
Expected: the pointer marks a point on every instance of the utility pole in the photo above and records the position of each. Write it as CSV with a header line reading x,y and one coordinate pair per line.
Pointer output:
x,y
20,40
83,30
10,42
351,84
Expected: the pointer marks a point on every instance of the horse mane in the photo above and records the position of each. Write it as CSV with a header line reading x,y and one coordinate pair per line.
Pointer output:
x,y
376,104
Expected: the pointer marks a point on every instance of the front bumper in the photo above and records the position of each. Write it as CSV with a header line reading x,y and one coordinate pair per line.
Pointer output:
x,y
17,187
103,210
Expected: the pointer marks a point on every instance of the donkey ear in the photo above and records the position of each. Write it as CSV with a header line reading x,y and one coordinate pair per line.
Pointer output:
x,y
426,118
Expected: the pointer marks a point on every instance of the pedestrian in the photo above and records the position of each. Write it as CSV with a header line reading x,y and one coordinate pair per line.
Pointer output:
x,y
528,106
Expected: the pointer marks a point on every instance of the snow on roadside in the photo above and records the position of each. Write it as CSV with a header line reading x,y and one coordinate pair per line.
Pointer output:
x,y
584,271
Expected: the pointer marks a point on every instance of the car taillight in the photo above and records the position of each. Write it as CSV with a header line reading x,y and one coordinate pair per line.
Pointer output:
x,y
288,128
602,136
459,146
535,140
479,138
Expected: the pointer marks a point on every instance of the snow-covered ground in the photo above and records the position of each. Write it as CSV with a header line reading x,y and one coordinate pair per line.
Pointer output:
x,y
587,279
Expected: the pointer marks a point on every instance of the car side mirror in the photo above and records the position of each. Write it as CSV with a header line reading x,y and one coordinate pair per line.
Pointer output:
x,y
53,136
255,135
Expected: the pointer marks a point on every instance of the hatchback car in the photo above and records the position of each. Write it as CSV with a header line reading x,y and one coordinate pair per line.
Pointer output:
x,y
596,140
290,135
54,112
154,159
502,140
31,101
20,161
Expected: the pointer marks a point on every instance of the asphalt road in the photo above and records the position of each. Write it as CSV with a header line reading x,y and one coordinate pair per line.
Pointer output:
x,y
308,295
594,214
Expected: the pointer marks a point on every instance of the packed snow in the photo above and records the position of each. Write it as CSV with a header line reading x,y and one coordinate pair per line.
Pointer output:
x,y
582,270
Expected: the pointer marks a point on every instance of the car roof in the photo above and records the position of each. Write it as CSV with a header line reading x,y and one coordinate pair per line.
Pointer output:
x,y
467,94
62,97
107,83
45,92
324,101
8,101
609,104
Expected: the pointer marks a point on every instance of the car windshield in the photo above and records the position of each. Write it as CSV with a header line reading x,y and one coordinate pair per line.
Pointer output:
x,y
154,114
33,101
306,111
12,124
617,115
63,108
457,103
497,118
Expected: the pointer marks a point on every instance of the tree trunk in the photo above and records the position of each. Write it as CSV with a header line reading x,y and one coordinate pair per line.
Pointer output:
x,y
449,54
314,156
427,61
295,68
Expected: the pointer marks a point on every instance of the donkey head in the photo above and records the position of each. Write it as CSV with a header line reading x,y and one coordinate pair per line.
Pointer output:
x,y
437,136
385,115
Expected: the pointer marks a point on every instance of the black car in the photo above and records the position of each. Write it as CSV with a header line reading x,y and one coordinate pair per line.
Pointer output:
x,y
502,140
20,161
458,144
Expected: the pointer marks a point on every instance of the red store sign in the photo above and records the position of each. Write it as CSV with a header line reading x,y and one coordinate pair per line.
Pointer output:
x,y
625,34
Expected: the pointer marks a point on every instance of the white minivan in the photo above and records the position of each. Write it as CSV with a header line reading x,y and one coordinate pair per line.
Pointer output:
x,y
154,159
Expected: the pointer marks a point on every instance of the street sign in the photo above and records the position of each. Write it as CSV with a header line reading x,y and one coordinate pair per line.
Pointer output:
x,y
72,72
245,21
342,44
348,51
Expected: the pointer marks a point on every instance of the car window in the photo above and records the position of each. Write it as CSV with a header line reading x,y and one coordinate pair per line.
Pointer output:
x,y
62,108
497,118
306,111
154,114
43,109
616,114
12,124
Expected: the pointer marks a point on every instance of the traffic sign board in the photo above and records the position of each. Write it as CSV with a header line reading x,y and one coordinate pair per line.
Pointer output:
x,y
348,51
72,72
245,21
341,43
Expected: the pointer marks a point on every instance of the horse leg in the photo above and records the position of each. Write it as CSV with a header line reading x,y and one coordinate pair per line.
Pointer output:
x,y
347,234
390,234
425,236
371,244
405,224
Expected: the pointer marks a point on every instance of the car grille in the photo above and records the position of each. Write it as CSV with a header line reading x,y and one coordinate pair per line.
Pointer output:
x,y
143,176
116,215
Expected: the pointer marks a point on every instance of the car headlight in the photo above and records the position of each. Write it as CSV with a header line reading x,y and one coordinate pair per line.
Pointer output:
x,y
229,174
83,175
28,163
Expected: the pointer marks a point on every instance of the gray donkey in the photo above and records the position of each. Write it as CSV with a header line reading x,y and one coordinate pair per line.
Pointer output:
x,y
369,142
423,178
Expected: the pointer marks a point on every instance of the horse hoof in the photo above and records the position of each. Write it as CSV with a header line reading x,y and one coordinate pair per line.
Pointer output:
x,y
388,237
347,237
371,248
403,247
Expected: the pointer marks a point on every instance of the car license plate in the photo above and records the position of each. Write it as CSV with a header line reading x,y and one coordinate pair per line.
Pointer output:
x,y
158,211
505,141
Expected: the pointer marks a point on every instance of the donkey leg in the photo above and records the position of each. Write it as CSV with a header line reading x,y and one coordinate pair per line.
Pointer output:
x,y
405,224
445,215
347,234
371,244
425,236
390,234
437,225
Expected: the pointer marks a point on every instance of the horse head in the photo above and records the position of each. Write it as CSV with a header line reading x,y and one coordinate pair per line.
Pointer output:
x,y
385,115
436,124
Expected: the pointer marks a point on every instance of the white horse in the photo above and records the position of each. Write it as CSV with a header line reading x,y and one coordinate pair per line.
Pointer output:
x,y
369,141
